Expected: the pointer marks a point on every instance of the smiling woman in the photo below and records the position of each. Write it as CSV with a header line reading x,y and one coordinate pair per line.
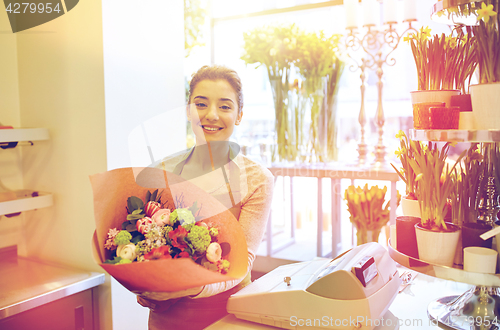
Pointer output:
x,y
242,186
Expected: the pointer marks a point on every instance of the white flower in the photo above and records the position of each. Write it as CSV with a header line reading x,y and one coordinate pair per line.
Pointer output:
x,y
214,252
126,251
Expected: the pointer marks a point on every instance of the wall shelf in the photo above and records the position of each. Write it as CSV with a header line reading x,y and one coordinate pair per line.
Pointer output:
x,y
26,202
23,134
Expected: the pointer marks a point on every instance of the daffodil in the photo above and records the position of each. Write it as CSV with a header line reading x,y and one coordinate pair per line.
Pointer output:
x,y
485,12
399,152
425,33
400,135
451,42
409,38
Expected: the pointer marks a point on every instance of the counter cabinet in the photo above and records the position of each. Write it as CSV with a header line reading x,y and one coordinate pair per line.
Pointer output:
x,y
36,294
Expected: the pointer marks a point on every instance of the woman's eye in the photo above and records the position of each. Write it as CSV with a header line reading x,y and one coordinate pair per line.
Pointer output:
x,y
225,107
201,105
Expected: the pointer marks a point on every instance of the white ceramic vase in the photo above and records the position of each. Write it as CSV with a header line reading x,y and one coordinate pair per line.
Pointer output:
x,y
410,207
437,247
433,96
485,100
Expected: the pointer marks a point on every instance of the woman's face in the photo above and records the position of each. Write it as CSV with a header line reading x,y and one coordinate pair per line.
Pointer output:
x,y
213,110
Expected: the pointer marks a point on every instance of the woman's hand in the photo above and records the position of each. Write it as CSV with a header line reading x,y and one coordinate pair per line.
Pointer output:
x,y
171,295
160,301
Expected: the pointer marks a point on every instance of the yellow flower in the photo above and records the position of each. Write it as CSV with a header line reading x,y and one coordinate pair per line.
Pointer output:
x,y
363,198
451,41
453,144
425,33
409,38
399,152
356,199
400,134
485,12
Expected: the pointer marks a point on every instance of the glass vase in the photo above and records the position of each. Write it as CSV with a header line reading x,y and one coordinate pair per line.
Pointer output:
x,y
285,143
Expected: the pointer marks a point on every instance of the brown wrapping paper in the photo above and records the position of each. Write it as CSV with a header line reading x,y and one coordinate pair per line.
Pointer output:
x,y
111,190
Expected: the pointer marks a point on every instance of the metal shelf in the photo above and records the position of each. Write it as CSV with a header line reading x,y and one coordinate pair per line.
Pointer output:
x,y
455,135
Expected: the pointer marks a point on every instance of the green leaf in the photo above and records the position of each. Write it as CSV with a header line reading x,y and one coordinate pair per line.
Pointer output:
x,y
153,197
148,196
132,217
130,228
114,261
137,237
226,248
134,203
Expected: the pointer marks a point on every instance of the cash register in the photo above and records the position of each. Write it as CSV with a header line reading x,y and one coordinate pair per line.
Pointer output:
x,y
352,291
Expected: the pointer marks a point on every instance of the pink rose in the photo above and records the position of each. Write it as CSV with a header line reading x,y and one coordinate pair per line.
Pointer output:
x,y
214,252
162,217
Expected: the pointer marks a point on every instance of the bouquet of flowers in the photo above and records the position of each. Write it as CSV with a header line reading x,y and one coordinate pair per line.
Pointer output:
x,y
158,243
152,232
367,210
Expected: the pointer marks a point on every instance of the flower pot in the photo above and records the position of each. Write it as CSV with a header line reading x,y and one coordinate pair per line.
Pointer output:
x,y
410,207
463,101
485,100
444,117
405,235
466,121
471,232
437,247
421,114
443,96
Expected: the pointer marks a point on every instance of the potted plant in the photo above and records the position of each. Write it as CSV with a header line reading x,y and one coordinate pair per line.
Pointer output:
x,y
406,241
405,152
485,96
436,239
368,214
444,65
468,178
